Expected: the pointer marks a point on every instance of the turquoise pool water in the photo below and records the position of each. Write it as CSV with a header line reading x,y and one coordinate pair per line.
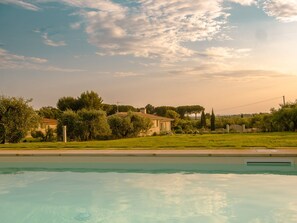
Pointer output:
x,y
36,195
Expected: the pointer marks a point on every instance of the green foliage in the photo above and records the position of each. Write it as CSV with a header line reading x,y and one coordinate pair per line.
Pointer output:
x,y
285,119
70,119
212,121
109,109
185,126
150,109
49,112
67,103
84,125
89,100
2,133
48,136
161,111
189,109
203,120
181,110
17,117
126,108
127,126
174,115
112,109
93,125
37,134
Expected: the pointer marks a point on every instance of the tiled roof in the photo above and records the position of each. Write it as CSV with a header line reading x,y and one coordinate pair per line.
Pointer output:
x,y
150,116
48,121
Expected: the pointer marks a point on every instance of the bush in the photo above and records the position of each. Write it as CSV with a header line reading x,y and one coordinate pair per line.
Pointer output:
x,y
48,136
37,134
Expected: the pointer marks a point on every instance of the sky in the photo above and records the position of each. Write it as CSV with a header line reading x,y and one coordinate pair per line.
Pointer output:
x,y
235,56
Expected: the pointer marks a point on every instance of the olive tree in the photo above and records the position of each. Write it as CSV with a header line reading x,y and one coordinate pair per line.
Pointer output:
x,y
129,125
84,125
17,118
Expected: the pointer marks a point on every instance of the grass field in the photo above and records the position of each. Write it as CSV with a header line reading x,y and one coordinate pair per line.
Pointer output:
x,y
207,141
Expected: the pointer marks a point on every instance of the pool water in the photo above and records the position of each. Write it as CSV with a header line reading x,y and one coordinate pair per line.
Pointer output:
x,y
65,196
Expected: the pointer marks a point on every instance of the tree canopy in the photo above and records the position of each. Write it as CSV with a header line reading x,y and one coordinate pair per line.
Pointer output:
x,y
87,100
130,125
84,125
17,118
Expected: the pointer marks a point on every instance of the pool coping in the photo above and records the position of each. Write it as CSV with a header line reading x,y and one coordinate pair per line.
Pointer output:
x,y
154,153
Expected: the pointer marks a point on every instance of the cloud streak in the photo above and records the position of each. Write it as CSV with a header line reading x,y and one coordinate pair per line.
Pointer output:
x,y
10,61
244,2
22,4
50,42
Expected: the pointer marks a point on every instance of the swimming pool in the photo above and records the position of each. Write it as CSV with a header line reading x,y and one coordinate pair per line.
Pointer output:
x,y
147,189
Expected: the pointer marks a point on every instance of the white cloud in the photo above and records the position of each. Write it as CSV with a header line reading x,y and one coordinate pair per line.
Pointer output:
x,y
153,29
8,60
22,4
283,10
126,74
50,42
15,62
244,2
222,53
75,25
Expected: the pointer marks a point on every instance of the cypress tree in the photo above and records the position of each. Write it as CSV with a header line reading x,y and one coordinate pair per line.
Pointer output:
x,y
203,120
212,121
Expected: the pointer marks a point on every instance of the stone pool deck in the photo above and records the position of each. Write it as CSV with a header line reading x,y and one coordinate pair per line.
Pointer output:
x,y
252,152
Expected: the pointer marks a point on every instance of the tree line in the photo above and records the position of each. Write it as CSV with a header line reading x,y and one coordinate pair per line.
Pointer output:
x,y
88,118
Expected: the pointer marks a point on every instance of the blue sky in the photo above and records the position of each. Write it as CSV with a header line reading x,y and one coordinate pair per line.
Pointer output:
x,y
220,54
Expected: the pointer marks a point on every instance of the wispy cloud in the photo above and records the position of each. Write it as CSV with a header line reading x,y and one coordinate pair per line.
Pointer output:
x,y
244,2
151,29
12,61
222,53
23,4
216,72
283,10
75,25
50,42
127,74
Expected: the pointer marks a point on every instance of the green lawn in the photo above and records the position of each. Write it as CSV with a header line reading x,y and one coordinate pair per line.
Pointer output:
x,y
207,141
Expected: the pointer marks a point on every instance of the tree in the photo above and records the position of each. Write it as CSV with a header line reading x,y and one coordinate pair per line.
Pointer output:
x,y
189,109
150,109
285,118
174,115
70,119
161,111
49,112
67,103
89,100
93,124
120,126
212,121
126,108
84,125
130,125
203,120
17,118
